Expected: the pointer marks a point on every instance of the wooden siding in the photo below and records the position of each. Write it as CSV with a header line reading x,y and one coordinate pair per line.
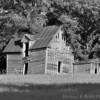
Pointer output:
x,y
59,52
54,56
82,68
88,67
14,64
67,68
37,62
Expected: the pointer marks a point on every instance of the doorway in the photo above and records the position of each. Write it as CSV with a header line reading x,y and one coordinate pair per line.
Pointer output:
x,y
59,66
95,70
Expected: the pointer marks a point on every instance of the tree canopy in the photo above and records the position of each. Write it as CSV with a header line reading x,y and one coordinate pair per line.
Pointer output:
x,y
81,23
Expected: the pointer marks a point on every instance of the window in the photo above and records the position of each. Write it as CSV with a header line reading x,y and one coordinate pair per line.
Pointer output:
x,y
62,36
58,35
26,68
64,39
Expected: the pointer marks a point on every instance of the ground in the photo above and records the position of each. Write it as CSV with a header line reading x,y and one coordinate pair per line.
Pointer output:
x,y
51,92
50,87
49,79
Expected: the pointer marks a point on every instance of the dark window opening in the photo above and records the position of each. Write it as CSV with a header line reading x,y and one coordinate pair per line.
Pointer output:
x,y
26,68
95,70
58,35
62,36
59,66
64,39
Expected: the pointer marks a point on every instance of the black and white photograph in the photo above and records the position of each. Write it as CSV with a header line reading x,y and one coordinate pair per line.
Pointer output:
x,y
49,49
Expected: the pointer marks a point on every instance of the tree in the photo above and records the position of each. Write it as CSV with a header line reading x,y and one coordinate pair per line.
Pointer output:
x,y
18,15
81,26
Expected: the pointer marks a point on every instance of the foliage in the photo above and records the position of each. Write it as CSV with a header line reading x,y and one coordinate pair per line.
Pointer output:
x,y
81,24
15,15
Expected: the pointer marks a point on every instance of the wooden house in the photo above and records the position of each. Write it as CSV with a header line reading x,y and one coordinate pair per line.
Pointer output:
x,y
39,53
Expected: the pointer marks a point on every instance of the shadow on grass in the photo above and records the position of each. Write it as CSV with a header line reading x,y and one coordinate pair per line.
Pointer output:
x,y
51,92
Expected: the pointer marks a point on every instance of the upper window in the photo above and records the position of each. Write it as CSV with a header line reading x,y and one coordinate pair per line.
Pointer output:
x,y
57,36
63,37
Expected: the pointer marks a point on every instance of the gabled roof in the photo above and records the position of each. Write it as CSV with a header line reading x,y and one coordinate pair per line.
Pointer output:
x,y
41,40
45,37
12,47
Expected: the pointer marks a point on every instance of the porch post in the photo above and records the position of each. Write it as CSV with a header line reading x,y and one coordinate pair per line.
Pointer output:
x,y
24,56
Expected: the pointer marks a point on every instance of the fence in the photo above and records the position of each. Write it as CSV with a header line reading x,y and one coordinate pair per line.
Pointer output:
x,y
86,67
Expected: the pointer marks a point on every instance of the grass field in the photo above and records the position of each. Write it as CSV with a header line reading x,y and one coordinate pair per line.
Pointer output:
x,y
50,87
49,79
51,92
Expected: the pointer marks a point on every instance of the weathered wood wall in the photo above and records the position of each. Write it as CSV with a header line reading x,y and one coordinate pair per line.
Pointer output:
x,y
88,67
37,62
82,68
54,56
59,52
14,64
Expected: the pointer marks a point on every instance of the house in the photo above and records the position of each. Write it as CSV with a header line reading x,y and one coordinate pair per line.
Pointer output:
x,y
43,52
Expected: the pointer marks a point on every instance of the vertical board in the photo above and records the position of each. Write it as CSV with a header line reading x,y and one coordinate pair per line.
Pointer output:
x,y
37,62
82,68
54,56
14,64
